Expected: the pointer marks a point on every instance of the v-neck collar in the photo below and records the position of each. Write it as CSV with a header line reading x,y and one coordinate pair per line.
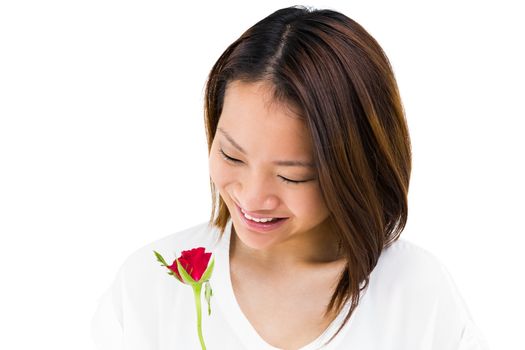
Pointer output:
x,y
225,297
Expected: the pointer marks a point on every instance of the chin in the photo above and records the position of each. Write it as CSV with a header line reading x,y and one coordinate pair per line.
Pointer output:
x,y
252,239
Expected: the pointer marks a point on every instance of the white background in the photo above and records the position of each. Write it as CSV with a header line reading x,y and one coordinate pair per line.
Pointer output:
x,y
102,145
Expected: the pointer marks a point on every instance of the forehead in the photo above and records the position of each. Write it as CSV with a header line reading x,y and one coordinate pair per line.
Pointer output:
x,y
263,91
243,100
252,115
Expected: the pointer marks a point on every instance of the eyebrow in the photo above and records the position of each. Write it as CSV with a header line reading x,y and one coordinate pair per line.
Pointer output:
x,y
277,162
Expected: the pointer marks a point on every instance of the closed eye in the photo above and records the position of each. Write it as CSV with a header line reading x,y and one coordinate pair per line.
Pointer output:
x,y
291,181
237,162
228,158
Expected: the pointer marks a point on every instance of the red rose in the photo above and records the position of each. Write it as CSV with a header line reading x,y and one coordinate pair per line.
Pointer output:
x,y
194,261
193,265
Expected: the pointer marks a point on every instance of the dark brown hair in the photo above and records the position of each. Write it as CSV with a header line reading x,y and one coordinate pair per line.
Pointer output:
x,y
339,79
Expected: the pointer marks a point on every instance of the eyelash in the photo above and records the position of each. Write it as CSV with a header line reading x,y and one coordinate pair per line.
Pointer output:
x,y
236,161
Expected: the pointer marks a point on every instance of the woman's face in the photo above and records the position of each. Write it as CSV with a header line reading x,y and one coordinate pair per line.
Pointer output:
x,y
266,142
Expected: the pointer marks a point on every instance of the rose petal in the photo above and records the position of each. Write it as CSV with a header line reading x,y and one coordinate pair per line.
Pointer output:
x,y
195,261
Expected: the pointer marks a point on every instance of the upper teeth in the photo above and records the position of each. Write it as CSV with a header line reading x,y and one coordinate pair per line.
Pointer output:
x,y
255,219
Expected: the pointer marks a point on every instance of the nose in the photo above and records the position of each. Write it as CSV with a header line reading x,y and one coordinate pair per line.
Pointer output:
x,y
256,193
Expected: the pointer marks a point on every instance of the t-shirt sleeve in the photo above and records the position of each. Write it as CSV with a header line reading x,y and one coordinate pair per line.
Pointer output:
x,y
471,337
106,323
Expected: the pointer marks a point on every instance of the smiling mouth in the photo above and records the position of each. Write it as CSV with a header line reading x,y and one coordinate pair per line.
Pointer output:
x,y
268,219
261,226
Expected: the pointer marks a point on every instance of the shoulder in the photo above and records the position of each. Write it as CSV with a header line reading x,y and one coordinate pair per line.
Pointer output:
x,y
413,276
199,235
413,301
413,288
142,262
141,284
407,262
404,258
410,273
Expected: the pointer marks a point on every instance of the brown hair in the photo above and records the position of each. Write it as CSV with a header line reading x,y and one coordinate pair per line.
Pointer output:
x,y
338,77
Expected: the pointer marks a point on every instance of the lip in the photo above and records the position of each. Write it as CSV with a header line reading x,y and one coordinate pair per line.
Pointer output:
x,y
260,226
257,216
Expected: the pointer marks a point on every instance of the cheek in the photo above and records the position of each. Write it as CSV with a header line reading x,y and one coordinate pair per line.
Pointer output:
x,y
309,204
219,172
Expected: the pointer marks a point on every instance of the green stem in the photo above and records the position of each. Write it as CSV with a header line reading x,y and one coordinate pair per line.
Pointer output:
x,y
197,293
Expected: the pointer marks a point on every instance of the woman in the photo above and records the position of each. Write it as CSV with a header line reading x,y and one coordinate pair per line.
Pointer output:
x,y
310,162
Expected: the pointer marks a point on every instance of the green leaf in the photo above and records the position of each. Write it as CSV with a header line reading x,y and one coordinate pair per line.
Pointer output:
x,y
207,274
208,294
161,259
184,274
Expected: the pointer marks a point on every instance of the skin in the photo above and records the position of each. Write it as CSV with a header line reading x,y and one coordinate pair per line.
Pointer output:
x,y
284,301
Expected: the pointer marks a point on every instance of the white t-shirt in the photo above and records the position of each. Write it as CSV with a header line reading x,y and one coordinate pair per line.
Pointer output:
x,y
411,303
